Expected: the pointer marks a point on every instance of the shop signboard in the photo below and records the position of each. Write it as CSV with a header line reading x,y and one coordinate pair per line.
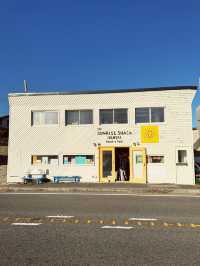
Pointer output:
x,y
149,134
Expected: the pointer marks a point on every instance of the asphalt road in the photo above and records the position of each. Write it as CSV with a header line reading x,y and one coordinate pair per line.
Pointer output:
x,y
100,233
167,208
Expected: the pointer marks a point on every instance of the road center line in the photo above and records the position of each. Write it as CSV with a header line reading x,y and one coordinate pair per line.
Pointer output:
x,y
26,224
142,219
117,227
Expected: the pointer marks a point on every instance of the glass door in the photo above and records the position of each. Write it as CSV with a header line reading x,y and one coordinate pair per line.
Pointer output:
x,y
107,164
138,172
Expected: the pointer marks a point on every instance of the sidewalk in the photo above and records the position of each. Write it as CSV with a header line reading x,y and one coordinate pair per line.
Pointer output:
x,y
161,189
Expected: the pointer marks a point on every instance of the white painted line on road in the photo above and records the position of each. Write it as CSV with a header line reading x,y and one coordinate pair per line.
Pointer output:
x,y
25,224
117,227
142,219
60,217
100,194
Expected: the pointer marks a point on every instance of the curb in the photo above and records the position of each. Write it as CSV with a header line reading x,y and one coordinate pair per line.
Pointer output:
x,y
138,191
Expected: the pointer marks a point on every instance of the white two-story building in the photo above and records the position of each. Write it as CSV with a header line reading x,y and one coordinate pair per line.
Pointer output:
x,y
133,135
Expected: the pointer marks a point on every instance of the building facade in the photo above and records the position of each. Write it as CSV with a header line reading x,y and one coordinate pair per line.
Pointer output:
x,y
4,122
135,135
4,126
196,134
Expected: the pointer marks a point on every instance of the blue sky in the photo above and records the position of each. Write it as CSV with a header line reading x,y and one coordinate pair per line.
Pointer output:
x,y
90,44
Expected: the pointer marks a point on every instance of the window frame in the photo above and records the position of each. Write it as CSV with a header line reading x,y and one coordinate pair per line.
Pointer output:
x,y
79,117
113,116
45,125
150,115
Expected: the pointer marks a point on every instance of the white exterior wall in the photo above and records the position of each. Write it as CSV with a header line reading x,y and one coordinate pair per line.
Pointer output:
x,y
26,140
198,117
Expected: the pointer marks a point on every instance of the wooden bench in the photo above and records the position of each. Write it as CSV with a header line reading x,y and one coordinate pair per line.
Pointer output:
x,y
75,179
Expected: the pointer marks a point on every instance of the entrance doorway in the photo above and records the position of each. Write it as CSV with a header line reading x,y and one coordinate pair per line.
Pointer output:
x,y
122,164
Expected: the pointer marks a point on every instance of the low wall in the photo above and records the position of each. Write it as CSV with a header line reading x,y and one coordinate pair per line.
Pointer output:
x,y
3,150
3,174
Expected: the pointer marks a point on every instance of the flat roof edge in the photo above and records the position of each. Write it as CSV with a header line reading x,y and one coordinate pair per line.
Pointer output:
x,y
192,87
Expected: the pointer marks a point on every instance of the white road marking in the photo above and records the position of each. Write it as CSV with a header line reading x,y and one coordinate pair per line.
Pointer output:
x,y
142,219
100,194
60,217
29,224
117,227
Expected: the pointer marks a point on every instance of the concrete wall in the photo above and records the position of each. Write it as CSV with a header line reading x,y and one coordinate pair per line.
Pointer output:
x,y
4,150
26,140
3,174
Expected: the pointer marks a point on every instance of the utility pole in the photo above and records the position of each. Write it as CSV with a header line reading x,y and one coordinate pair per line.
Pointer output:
x,y
25,86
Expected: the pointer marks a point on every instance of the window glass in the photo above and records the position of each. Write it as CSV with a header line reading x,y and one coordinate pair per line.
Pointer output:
x,y
51,118
37,118
120,116
72,117
78,159
86,117
182,156
106,116
45,159
157,114
107,163
44,118
142,115
155,159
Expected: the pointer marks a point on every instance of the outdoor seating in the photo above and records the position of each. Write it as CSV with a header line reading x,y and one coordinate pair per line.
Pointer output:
x,y
75,179
39,179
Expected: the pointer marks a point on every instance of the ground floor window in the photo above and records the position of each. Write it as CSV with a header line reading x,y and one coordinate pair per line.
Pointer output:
x,y
45,159
78,159
181,157
155,159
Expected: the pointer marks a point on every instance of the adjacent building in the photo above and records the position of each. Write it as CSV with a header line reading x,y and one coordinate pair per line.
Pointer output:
x,y
134,136
196,134
4,127
4,122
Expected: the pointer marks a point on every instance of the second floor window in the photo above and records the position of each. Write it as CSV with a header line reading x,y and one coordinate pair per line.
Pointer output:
x,y
78,117
113,116
149,115
44,118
